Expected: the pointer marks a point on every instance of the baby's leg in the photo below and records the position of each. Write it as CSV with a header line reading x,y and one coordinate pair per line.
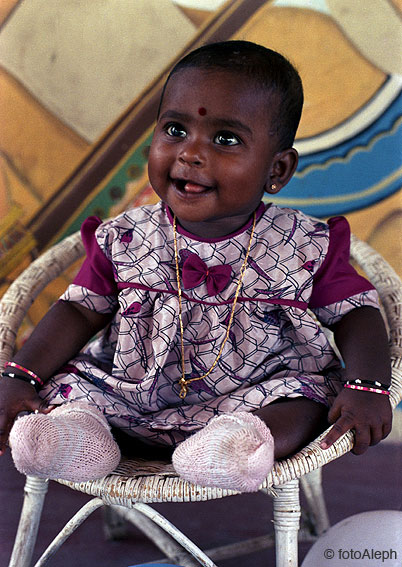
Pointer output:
x,y
73,442
293,422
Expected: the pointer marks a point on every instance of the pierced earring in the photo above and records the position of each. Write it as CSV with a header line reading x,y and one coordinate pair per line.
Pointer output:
x,y
273,186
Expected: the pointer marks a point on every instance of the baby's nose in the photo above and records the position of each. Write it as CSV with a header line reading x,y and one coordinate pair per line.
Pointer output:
x,y
192,154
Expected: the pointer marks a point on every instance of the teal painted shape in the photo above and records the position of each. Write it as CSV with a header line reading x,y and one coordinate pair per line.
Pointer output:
x,y
113,191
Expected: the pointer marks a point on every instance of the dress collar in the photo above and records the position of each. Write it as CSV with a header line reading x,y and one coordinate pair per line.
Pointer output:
x,y
260,210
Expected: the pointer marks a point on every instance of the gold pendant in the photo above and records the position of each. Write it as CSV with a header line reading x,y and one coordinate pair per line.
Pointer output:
x,y
183,388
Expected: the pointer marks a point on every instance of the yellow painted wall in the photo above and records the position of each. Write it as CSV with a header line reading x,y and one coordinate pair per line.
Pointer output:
x,y
338,80
38,150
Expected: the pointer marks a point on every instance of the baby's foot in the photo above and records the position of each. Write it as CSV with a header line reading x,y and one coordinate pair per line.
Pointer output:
x,y
73,442
234,451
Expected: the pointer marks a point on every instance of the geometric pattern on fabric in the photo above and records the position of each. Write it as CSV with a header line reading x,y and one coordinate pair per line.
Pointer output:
x,y
276,347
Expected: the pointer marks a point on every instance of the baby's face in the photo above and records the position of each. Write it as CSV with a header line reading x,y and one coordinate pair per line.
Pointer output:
x,y
211,156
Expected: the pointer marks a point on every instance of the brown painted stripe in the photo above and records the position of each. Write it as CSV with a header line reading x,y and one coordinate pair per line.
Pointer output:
x,y
122,135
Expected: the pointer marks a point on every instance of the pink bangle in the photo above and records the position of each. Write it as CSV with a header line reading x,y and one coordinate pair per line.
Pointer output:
x,y
26,371
365,389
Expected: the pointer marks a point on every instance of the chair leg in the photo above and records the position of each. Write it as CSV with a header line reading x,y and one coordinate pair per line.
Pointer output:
x,y
165,535
114,525
286,523
35,492
311,484
69,529
166,544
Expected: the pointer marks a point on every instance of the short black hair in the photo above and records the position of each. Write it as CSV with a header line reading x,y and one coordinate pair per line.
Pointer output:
x,y
268,69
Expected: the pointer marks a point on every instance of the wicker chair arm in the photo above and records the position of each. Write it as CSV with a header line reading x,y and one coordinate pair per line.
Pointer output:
x,y
19,297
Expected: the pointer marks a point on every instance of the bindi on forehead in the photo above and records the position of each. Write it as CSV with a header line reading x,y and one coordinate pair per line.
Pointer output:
x,y
202,111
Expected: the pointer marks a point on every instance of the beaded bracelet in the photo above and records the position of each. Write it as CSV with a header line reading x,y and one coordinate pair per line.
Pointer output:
x,y
34,376
370,383
9,374
366,389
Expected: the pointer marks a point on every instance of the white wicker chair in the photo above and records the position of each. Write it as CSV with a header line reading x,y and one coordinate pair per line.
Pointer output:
x,y
134,484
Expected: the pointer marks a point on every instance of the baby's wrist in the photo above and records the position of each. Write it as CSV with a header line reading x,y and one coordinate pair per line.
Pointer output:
x,y
16,371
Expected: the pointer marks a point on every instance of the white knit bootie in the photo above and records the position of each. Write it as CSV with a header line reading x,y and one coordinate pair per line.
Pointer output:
x,y
73,442
234,451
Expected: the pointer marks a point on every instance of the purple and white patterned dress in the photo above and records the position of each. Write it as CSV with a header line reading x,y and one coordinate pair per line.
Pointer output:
x,y
298,273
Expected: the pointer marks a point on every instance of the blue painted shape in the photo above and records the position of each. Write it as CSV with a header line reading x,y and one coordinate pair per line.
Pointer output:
x,y
355,174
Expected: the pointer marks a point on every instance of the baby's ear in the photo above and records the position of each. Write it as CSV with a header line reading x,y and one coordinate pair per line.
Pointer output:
x,y
283,167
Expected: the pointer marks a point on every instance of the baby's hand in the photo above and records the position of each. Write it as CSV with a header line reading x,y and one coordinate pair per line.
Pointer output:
x,y
367,413
16,396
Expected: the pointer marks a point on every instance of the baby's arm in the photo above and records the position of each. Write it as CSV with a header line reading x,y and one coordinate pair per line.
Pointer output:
x,y
362,341
60,335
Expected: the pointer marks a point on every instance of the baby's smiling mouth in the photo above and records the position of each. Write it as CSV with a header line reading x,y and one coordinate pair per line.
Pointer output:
x,y
190,187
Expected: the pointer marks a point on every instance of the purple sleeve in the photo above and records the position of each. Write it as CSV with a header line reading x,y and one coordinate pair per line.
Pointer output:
x,y
336,279
96,273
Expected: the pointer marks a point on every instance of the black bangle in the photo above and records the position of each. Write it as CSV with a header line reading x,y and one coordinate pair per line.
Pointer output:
x,y
371,383
8,374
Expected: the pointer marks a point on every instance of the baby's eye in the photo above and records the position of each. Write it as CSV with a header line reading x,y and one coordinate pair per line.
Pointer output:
x,y
226,139
175,130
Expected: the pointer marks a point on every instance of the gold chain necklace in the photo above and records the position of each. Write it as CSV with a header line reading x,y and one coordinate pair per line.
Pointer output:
x,y
183,382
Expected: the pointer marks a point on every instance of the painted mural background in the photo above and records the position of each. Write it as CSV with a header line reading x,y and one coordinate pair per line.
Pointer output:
x,y
69,70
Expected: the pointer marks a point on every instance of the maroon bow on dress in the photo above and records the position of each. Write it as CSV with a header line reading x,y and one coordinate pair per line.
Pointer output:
x,y
195,271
